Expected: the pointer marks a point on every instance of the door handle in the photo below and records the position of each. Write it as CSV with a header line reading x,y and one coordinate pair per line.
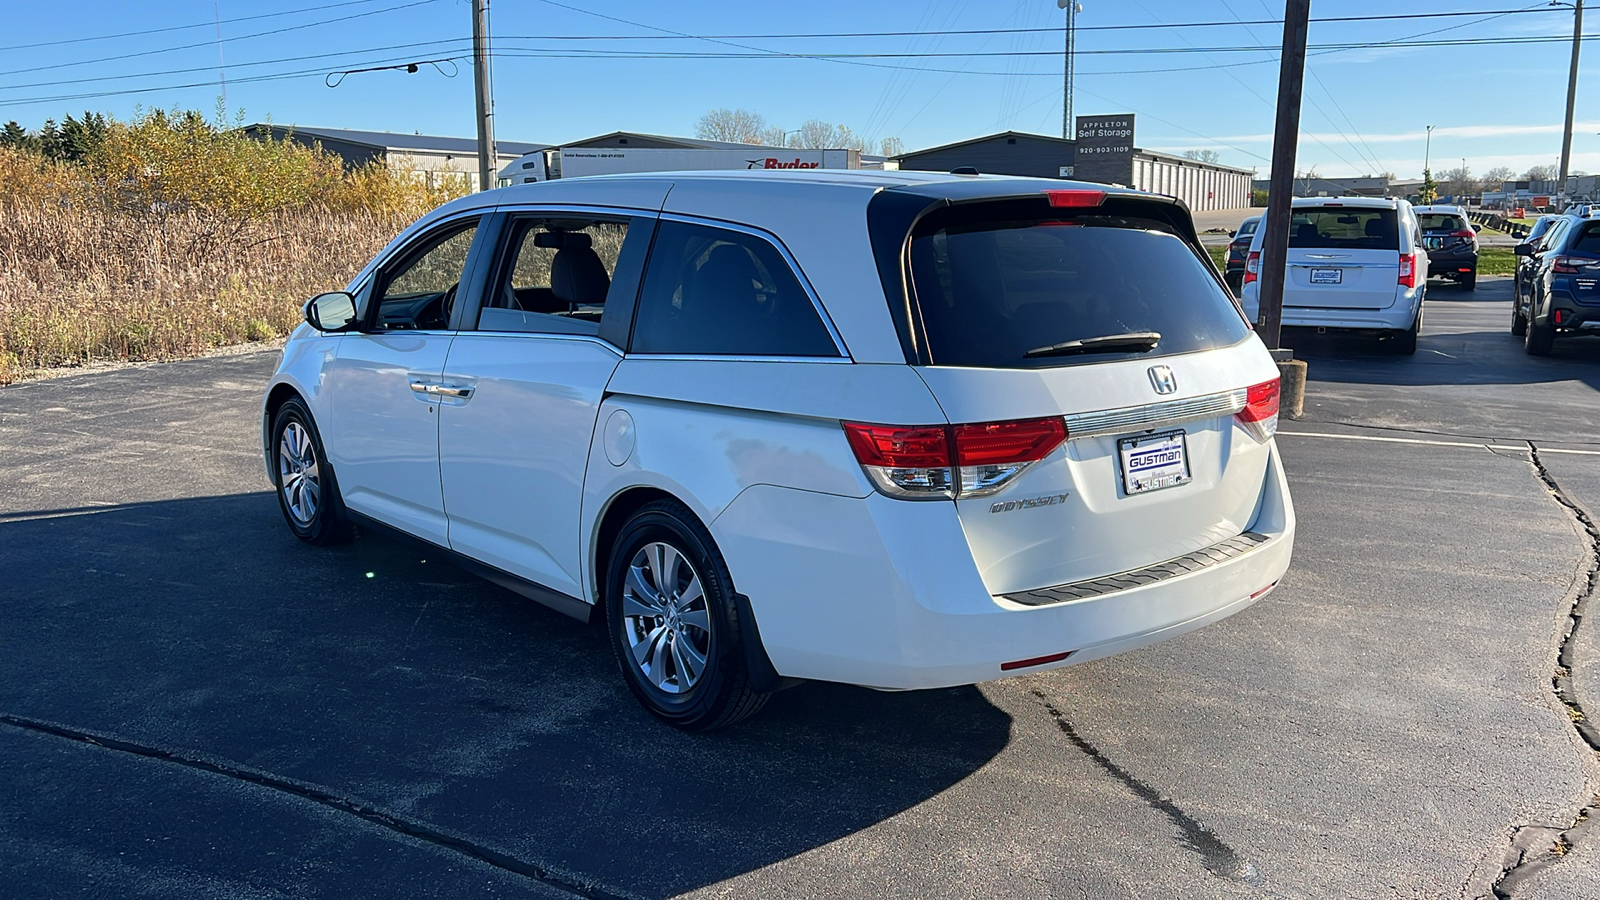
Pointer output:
x,y
441,390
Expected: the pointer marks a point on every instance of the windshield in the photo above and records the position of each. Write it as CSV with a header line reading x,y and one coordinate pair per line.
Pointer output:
x,y
990,289
1346,228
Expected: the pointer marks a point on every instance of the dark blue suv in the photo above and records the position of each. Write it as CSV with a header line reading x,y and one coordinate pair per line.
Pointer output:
x,y
1562,295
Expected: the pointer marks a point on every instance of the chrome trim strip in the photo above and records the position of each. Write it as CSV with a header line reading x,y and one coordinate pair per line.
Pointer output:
x,y
794,266
706,357
1154,415
1204,558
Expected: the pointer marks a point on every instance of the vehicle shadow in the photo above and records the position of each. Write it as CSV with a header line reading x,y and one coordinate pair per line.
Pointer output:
x,y
386,675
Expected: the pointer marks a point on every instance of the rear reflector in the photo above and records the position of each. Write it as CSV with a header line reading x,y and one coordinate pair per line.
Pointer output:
x,y
932,462
1269,587
1076,198
1036,661
1260,414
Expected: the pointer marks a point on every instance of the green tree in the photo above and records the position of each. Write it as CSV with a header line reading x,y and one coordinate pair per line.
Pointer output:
x,y
14,137
1430,188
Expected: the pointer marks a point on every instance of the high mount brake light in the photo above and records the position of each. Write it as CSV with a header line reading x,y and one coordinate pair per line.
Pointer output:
x,y
1075,199
1260,414
933,462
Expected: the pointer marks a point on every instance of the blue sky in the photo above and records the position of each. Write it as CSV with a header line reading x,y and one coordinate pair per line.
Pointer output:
x,y
1366,108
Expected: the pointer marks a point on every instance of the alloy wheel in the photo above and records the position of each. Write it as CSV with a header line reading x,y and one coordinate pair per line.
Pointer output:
x,y
299,477
666,624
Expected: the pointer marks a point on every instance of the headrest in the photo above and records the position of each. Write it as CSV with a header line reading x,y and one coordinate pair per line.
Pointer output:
x,y
562,240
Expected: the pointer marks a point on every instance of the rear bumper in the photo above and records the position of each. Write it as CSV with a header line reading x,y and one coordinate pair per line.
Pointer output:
x,y
885,593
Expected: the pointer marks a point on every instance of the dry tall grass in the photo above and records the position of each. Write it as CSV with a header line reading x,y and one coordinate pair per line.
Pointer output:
x,y
177,237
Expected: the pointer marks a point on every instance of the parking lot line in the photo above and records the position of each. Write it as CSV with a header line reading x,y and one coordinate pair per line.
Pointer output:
x,y
1432,443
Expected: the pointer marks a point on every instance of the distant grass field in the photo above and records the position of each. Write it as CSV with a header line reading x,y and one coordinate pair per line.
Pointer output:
x,y
1491,260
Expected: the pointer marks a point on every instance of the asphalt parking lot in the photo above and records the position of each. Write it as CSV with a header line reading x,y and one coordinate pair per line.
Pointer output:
x,y
194,704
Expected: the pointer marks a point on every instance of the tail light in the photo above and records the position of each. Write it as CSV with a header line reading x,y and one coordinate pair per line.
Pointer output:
x,y
1260,414
1252,266
934,462
1408,270
1464,233
1571,265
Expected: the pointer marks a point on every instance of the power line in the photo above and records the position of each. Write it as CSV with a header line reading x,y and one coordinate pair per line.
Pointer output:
x,y
242,37
323,7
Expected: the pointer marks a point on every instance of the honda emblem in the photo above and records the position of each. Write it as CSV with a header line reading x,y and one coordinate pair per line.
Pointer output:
x,y
1162,379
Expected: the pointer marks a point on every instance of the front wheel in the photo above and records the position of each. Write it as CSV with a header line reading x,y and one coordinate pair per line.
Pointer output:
x,y
307,494
673,622
1519,322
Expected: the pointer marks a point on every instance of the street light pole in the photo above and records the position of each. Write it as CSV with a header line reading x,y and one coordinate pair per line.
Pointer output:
x,y
1427,149
485,95
1572,96
1072,8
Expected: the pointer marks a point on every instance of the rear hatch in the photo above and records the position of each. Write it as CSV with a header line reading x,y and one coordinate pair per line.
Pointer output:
x,y
1343,257
1446,235
1011,300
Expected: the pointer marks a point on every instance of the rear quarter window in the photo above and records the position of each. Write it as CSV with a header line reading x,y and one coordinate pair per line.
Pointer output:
x,y
991,287
1588,242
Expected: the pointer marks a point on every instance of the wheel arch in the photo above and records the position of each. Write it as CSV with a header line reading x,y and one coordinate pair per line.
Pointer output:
x,y
277,395
617,510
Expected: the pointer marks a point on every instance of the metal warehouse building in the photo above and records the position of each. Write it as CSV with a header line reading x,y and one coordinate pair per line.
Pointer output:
x,y
1201,185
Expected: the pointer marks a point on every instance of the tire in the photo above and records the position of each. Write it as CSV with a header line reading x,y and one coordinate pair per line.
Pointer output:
x,y
1538,339
1235,283
308,496
1519,322
669,602
1404,343
1469,281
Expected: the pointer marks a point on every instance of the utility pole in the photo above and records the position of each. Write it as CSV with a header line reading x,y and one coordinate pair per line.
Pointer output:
x,y
1572,96
1071,6
485,91
1285,137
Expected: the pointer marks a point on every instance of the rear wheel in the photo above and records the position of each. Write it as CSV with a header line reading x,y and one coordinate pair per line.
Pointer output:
x,y
1404,343
307,494
1469,280
1538,339
673,623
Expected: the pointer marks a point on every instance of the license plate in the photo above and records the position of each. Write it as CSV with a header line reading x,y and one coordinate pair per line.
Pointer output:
x,y
1153,462
1327,276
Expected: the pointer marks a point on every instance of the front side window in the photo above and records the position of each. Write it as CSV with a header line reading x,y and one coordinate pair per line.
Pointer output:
x,y
713,291
419,291
1345,228
554,276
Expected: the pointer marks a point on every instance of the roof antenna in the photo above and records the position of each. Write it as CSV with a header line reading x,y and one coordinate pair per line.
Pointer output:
x,y
964,170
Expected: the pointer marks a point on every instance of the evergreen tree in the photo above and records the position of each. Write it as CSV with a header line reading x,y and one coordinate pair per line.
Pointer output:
x,y
13,136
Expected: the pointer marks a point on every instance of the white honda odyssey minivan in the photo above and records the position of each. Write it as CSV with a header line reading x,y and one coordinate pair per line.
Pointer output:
x,y
892,429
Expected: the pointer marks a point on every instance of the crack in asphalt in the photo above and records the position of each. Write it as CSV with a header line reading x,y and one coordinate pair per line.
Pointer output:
x,y
431,834
1535,847
1215,854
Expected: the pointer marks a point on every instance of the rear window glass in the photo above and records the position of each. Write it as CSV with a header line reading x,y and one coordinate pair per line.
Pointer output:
x,y
1442,222
1588,242
1249,227
990,289
1349,228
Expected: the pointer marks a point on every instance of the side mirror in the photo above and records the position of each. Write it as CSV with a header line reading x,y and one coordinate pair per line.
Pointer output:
x,y
334,311
1476,228
1233,233
1524,250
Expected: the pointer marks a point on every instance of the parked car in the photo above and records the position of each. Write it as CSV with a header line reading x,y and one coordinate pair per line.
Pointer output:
x,y
1355,264
891,429
1238,248
1523,275
1563,295
1451,242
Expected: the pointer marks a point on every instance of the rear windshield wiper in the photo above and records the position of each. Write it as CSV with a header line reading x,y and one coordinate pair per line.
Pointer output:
x,y
1111,343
